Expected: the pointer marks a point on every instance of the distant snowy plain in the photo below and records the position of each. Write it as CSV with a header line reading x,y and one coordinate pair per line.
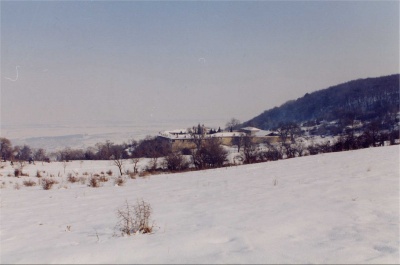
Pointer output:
x,y
331,208
56,136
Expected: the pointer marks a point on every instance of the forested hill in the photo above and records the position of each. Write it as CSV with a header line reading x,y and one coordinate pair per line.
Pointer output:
x,y
365,99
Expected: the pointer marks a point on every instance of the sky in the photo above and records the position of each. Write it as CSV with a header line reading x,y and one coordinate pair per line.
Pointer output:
x,y
85,61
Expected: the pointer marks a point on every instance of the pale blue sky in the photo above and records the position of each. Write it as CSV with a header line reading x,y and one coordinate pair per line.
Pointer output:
x,y
81,61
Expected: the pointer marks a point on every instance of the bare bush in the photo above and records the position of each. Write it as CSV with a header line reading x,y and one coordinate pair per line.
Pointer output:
x,y
144,174
94,182
133,219
38,175
109,172
17,172
71,178
119,181
47,183
29,183
102,178
130,174
176,162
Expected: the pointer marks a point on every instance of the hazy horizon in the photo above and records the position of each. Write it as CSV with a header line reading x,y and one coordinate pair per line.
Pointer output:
x,y
126,61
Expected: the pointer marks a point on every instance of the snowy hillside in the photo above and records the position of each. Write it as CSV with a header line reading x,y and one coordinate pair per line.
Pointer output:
x,y
331,208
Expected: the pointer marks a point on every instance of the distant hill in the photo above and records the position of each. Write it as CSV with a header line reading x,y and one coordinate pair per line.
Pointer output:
x,y
366,99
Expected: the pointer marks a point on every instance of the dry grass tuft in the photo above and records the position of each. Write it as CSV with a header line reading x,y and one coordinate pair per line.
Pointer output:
x,y
47,183
29,183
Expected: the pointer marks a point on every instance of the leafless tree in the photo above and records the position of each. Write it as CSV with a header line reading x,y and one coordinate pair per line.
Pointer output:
x,y
250,150
135,161
209,154
119,163
176,162
39,154
232,123
289,131
238,141
5,148
64,163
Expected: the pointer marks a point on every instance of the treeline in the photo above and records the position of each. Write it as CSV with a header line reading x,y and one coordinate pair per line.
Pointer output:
x,y
205,152
20,153
368,99
148,147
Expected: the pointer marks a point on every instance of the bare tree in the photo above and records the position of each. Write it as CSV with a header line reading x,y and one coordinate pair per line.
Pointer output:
x,y
289,131
119,162
209,154
39,154
5,149
371,133
238,141
232,123
65,163
135,161
175,162
250,151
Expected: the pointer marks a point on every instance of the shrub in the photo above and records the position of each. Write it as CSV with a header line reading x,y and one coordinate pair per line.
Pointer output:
x,y
71,178
134,219
103,179
109,172
94,182
29,183
144,174
130,174
47,183
119,181
175,162
38,175
17,172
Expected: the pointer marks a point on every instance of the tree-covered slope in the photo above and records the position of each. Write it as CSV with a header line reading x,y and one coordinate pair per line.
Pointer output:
x,y
365,99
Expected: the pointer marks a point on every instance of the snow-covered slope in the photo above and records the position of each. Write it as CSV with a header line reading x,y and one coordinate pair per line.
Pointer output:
x,y
330,208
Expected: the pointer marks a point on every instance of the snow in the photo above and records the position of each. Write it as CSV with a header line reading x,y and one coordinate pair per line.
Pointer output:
x,y
331,208
57,136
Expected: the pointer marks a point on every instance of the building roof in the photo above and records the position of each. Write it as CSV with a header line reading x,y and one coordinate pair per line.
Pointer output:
x,y
173,135
251,129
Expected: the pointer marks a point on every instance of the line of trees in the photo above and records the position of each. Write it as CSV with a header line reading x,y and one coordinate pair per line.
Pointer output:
x,y
209,153
20,153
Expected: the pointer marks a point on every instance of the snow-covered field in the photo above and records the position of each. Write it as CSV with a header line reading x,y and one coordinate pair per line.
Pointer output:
x,y
53,137
330,208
